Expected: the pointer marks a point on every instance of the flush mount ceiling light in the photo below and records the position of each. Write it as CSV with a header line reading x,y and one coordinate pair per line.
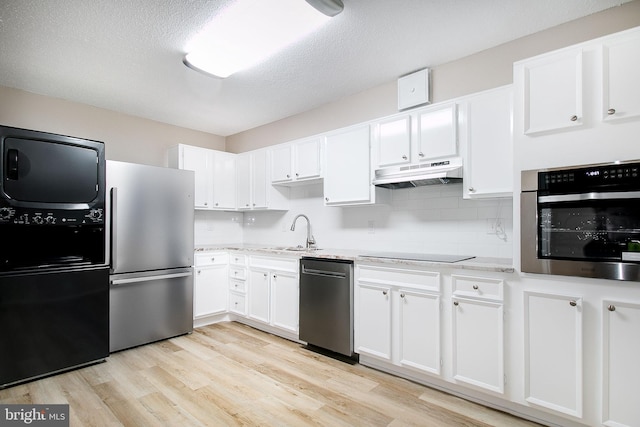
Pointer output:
x,y
249,31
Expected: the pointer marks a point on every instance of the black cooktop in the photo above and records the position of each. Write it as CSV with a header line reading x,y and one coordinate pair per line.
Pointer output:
x,y
418,257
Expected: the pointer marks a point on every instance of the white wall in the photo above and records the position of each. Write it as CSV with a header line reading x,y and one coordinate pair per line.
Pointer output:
x,y
433,219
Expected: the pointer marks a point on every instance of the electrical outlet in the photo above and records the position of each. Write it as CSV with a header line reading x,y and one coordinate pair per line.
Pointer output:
x,y
494,225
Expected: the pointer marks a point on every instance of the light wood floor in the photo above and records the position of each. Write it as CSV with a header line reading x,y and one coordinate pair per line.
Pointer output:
x,y
231,374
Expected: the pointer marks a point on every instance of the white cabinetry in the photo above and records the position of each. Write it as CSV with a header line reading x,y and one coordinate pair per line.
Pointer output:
x,y
621,370
478,337
297,162
437,132
254,187
210,284
397,316
553,92
237,284
621,68
215,175
393,140
348,174
273,292
487,144
553,352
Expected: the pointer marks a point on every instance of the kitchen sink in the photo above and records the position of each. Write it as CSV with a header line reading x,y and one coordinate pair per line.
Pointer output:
x,y
294,249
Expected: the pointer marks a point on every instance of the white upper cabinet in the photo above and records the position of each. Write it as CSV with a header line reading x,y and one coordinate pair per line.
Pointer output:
x,y
348,175
297,162
254,186
553,92
486,144
437,132
393,137
621,60
224,180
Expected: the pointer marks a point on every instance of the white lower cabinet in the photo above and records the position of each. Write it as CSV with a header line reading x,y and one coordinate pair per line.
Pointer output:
x,y
553,352
237,284
273,292
621,367
397,316
210,284
478,332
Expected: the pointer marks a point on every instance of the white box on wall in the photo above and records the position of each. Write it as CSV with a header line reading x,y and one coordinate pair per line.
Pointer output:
x,y
413,89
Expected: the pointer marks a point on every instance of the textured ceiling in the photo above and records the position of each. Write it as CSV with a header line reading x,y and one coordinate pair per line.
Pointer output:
x,y
126,55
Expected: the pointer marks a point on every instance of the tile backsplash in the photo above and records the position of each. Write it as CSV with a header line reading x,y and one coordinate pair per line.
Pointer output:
x,y
431,219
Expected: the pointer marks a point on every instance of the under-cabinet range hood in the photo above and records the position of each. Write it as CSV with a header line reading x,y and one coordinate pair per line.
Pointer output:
x,y
433,173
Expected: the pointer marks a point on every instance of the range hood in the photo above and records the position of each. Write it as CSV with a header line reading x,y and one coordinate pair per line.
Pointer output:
x,y
440,172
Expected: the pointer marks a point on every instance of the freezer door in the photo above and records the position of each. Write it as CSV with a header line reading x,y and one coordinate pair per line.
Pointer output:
x,y
151,217
149,307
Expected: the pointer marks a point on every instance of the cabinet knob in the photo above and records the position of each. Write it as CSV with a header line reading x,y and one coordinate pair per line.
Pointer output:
x,y
199,271
265,274
297,174
384,293
611,308
275,276
573,303
456,303
247,205
254,204
206,203
236,303
326,199
611,111
475,287
213,259
574,118
421,154
404,157
402,295
216,203
288,176
472,190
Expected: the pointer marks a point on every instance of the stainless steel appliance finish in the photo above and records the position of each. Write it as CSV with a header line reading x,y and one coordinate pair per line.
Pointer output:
x,y
326,304
418,257
428,173
151,227
582,221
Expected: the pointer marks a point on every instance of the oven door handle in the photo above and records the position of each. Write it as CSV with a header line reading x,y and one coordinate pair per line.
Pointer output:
x,y
589,196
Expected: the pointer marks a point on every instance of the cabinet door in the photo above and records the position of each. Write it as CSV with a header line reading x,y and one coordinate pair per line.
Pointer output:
x,y
373,331
488,170
307,159
420,331
243,181
224,180
621,370
621,85
259,295
347,177
478,343
259,180
553,350
281,164
393,141
284,301
437,132
553,92
210,293
198,160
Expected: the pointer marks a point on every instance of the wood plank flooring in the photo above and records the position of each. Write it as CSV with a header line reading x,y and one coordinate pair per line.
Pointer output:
x,y
229,374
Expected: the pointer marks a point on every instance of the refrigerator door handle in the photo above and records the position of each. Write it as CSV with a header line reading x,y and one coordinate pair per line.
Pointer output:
x,y
114,224
149,278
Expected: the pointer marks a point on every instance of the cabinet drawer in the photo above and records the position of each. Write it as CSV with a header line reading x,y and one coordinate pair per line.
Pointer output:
x,y
237,259
211,258
237,285
237,303
280,264
478,287
239,273
404,277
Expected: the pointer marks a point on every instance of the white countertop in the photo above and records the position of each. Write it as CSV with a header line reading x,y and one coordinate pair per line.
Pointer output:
x,y
503,265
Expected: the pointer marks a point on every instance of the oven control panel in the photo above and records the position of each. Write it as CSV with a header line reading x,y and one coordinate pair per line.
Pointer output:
x,y
602,178
30,216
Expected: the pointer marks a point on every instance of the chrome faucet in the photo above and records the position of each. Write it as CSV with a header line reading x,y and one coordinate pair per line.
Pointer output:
x,y
311,241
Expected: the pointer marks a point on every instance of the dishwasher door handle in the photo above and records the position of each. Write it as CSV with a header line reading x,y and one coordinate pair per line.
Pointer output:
x,y
323,273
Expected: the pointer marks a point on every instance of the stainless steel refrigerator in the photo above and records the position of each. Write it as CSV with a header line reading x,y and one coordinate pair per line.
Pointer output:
x,y
150,213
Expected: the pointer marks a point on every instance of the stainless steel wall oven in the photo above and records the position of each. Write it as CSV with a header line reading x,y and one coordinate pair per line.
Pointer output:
x,y
582,221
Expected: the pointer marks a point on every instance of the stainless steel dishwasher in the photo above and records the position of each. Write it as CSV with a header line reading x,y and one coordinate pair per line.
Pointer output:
x,y
326,304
